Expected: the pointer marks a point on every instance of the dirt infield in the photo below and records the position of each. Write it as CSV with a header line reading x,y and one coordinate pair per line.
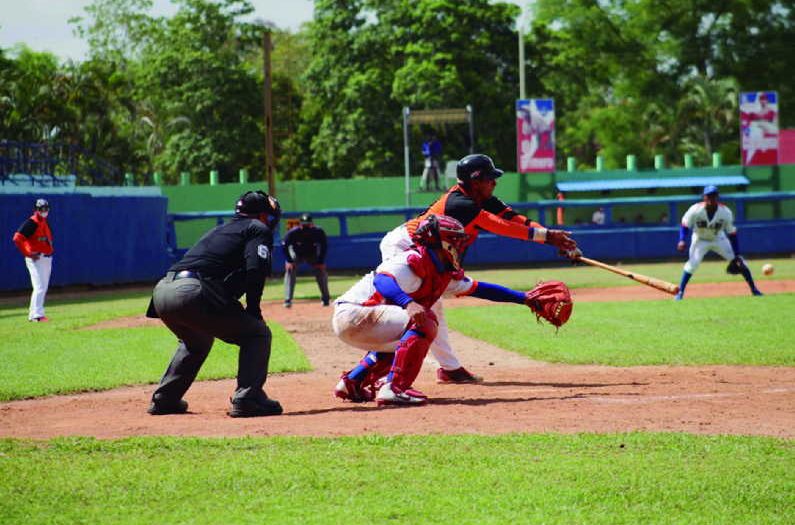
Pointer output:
x,y
518,395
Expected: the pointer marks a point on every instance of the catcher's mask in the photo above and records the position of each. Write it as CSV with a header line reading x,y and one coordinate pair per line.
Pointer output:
x,y
259,205
441,231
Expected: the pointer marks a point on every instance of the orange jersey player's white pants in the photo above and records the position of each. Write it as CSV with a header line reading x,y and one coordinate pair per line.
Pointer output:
x,y
700,247
398,241
39,270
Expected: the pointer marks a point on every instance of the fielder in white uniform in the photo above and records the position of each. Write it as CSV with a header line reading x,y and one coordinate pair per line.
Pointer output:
x,y
713,229
34,241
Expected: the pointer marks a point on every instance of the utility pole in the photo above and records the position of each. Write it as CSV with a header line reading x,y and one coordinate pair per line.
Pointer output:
x,y
268,111
522,84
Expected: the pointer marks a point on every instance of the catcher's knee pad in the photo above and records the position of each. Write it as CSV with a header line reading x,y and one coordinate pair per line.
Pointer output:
x,y
428,328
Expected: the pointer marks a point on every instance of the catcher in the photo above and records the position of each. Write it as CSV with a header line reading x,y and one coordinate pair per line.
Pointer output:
x,y
713,230
388,312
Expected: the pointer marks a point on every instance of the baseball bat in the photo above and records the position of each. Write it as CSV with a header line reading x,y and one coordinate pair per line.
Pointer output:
x,y
658,284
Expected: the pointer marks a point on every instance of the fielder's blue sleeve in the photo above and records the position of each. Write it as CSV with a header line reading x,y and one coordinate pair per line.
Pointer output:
x,y
388,287
735,243
495,292
684,232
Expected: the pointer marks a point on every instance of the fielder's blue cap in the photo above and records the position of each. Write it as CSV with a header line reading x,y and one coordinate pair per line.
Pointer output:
x,y
709,190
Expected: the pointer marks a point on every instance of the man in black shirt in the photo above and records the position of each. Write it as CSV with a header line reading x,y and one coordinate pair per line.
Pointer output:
x,y
305,243
198,301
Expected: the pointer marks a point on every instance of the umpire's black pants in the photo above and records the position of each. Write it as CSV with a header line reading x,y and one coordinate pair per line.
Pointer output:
x,y
196,321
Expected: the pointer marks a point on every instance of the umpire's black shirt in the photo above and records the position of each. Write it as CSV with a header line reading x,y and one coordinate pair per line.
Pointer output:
x,y
232,259
306,242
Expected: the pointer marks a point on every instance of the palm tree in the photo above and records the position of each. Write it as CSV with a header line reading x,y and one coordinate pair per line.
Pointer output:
x,y
708,111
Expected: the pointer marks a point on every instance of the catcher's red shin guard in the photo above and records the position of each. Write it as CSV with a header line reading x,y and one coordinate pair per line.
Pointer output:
x,y
411,350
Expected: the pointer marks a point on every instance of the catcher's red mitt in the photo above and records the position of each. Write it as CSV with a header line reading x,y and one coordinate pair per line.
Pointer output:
x,y
552,301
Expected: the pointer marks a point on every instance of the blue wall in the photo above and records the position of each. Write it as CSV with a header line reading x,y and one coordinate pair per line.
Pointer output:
x,y
98,240
609,244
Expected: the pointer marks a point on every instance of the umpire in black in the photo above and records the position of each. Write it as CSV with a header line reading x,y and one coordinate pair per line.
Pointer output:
x,y
305,243
198,301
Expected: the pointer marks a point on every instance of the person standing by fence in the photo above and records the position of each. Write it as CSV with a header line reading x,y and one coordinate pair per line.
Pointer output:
x,y
34,241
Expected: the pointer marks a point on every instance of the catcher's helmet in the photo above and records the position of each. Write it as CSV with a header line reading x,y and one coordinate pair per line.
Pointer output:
x,y
41,205
257,203
441,231
305,218
477,166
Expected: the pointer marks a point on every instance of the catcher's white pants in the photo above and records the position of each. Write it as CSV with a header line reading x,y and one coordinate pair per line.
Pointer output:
x,y
395,242
699,248
376,328
39,270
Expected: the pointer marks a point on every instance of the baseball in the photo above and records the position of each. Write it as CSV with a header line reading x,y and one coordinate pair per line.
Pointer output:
x,y
767,269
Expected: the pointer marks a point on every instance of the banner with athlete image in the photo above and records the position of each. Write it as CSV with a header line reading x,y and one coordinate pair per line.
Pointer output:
x,y
759,128
535,135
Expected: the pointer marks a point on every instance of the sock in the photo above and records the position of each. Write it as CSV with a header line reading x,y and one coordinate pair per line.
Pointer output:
x,y
748,278
683,283
368,361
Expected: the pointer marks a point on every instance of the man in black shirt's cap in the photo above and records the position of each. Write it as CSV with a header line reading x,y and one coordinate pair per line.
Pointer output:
x,y
198,301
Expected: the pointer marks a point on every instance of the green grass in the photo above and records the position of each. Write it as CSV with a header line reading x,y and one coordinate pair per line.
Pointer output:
x,y
58,357
726,330
585,478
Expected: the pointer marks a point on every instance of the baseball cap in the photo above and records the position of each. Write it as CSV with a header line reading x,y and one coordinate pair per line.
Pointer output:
x,y
41,204
305,218
709,190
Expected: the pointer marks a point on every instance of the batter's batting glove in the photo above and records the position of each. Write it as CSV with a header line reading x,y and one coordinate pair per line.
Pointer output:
x,y
560,239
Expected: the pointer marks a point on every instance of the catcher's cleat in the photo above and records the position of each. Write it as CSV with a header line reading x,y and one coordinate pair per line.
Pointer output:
x,y
255,408
390,395
458,376
162,408
353,391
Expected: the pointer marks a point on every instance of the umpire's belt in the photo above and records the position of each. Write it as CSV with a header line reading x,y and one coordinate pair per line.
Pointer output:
x,y
184,274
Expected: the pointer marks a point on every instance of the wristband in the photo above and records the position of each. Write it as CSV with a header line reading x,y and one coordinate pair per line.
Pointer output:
x,y
539,235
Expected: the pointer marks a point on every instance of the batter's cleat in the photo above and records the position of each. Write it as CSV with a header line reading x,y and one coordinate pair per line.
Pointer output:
x,y
162,408
255,408
678,296
757,292
389,395
458,376
353,391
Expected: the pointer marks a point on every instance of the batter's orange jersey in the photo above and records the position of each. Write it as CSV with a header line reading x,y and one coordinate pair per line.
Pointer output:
x,y
491,215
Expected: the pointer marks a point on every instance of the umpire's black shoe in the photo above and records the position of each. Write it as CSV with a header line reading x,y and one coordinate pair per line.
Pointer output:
x,y
161,408
255,408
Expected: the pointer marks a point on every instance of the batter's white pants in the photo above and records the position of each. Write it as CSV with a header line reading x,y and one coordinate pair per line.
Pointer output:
x,y
394,243
39,270
377,328
699,248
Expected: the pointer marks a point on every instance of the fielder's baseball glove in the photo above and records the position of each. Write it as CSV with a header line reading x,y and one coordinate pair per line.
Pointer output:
x,y
552,301
735,266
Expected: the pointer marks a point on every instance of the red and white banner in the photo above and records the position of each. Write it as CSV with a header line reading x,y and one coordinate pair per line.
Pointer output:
x,y
535,135
759,128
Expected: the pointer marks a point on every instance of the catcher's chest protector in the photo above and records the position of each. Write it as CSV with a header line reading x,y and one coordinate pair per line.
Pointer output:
x,y
433,283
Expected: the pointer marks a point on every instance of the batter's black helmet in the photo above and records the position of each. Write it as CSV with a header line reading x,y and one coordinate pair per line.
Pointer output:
x,y
255,203
477,166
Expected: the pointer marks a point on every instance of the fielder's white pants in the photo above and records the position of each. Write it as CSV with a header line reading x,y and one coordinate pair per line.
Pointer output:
x,y
39,270
699,248
395,242
376,328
